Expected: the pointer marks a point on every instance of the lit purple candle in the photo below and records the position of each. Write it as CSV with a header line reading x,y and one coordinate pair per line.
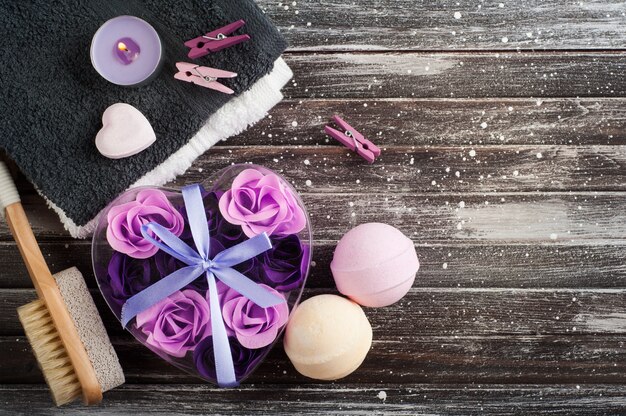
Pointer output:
x,y
126,51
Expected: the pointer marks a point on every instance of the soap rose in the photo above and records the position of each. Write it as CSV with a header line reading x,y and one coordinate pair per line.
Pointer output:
x,y
262,203
176,324
284,265
127,276
253,326
229,234
244,359
125,221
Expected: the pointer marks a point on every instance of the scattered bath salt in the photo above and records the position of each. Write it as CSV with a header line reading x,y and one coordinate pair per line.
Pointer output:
x,y
462,204
412,161
501,5
472,153
358,181
539,155
448,169
382,395
553,236
529,34
539,102
294,123
483,125
505,39
510,108
433,183
515,173
459,226
307,162
351,203
457,174
308,182
200,170
308,23
275,160
445,265
457,15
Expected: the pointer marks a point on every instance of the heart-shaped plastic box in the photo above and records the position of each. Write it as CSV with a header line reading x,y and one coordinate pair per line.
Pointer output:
x,y
175,281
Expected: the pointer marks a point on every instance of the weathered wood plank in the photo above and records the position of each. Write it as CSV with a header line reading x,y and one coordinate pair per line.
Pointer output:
x,y
393,360
435,25
443,311
475,75
341,399
473,266
425,169
490,217
446,122
403,169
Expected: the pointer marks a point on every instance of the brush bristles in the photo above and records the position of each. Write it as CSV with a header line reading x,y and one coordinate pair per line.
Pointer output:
x,y
50,352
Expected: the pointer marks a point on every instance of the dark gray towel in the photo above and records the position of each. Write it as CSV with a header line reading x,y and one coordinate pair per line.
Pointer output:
x,y
53,99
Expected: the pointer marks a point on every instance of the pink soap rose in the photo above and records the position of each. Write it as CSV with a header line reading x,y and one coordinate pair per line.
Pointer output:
x,y
254,326
262,203
177,323
125,221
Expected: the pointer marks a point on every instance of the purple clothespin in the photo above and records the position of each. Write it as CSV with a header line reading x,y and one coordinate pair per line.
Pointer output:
x,y
216,40
203,76
353,140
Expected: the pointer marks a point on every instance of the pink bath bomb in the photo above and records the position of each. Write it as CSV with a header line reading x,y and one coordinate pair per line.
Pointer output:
x,y
374,264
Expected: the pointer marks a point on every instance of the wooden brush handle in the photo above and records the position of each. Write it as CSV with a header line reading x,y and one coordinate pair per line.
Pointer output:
x,y
48,291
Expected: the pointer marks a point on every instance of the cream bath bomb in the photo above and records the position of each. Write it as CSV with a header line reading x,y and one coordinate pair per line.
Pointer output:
x,y
374,264
327,337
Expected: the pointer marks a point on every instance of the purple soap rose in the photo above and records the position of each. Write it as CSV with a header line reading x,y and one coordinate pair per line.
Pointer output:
x,y
250,268
253,326
127,276
262,203
177,323
229,234
125,221
284,265
244,359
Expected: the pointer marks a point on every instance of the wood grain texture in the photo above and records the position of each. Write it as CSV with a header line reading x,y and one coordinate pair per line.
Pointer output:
x,y
410,359
343,399
488,217
415,169
445,122
442,265
446,75
368,25
443,311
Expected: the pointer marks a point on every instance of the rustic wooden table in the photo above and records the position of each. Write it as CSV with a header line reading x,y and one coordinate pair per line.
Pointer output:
x,y
504,133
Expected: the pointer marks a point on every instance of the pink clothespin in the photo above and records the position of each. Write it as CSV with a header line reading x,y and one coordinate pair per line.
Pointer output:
x,y
216,40
353,140
203,76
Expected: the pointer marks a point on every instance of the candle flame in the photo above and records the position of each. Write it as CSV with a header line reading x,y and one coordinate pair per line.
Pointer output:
x,y
122,46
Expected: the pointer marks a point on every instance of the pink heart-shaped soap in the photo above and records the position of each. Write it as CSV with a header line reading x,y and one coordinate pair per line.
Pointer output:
x,y
125,132
240,202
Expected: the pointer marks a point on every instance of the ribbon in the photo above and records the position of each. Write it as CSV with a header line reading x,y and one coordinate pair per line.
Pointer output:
x,y
199,263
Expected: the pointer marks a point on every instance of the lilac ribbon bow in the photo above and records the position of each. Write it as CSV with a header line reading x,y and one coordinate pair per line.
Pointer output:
x,y
199,263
